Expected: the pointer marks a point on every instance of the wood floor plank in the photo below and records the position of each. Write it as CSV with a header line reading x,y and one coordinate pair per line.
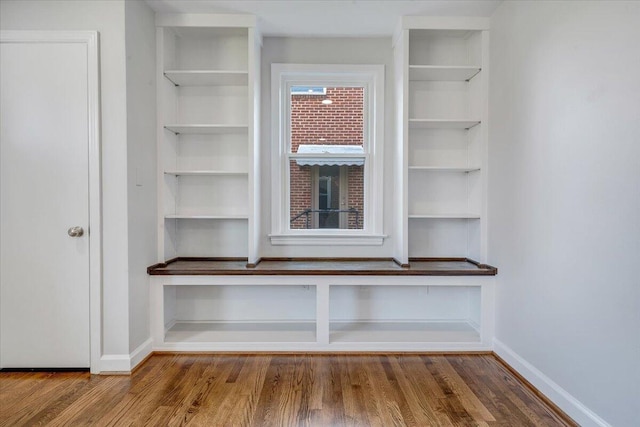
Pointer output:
x,y
469,400
412,388
368,406
477,374
354,400
92,405
215,390
281,390
525,400
250,383
332,411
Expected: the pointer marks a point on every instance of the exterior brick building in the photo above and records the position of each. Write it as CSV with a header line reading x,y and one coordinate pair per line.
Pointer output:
x,y
338,123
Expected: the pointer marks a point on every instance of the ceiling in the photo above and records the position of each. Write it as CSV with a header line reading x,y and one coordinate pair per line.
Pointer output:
x,y
329,17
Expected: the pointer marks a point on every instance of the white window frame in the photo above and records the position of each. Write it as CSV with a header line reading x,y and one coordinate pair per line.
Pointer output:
x,y
371,77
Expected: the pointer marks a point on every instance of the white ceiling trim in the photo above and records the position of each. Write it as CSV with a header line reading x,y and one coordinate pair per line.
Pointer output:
x,y
329,18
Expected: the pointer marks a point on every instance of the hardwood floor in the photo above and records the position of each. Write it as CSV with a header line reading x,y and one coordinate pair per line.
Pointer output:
x,y
281,390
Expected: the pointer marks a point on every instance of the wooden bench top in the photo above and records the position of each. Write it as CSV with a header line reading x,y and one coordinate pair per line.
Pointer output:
x,y
321,266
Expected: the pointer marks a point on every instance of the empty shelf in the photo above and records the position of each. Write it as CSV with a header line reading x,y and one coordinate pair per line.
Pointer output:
x,y
206,129
221,217
418,331
444,169
442,72
204,173
442,123
445,216
207,77
220,332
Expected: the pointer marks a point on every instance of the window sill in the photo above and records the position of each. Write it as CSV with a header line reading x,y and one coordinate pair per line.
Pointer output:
x,y
327,239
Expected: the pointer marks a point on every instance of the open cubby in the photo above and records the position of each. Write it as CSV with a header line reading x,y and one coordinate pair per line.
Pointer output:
x,y
445,48
219,314
404,314
206,48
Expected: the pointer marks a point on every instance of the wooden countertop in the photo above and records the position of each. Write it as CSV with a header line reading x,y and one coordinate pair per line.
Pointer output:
x,y
321,266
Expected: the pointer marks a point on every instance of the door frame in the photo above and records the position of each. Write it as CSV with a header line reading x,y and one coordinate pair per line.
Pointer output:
x,y
90,39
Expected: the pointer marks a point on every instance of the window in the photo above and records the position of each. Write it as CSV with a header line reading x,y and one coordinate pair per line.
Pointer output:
x,y
327,174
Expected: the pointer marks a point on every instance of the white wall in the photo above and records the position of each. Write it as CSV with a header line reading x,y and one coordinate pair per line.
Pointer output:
x,y
107,17
326,51
564,204
141,169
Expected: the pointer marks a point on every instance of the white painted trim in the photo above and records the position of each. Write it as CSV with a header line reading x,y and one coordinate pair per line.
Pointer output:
x,y
484,151
326,240
141,353
125,363
160,219
91,39
205,20
95,202
445,23
157,282
565,401
253,145
311,347
115,363
401,145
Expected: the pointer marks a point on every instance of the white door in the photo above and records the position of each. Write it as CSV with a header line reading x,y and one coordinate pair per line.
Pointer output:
x,y
44,267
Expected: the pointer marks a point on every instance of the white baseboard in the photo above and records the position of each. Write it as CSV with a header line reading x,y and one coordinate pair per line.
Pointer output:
x,y
125,363
565,401
115,363
141,353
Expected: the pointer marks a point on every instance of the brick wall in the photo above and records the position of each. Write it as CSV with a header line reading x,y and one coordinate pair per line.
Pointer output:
x,y
339,123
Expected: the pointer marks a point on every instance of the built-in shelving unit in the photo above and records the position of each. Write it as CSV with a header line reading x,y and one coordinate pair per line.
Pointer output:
x,y
442,137
208,91
217,294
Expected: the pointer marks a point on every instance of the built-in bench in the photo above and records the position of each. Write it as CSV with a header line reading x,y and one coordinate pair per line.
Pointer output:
x,y
301,304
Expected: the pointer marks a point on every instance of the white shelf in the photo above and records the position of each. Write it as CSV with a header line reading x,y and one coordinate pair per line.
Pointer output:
x,y
442,72
444,169
445,216
238,332
206,129
207,77
442,123
397,332
220,217
205,173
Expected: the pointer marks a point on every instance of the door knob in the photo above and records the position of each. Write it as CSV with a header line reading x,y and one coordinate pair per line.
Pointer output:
x,y
75,231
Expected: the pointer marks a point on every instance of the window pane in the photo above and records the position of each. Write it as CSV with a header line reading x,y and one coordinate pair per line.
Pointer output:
x,y
300,196
335,118
327,192
326,196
